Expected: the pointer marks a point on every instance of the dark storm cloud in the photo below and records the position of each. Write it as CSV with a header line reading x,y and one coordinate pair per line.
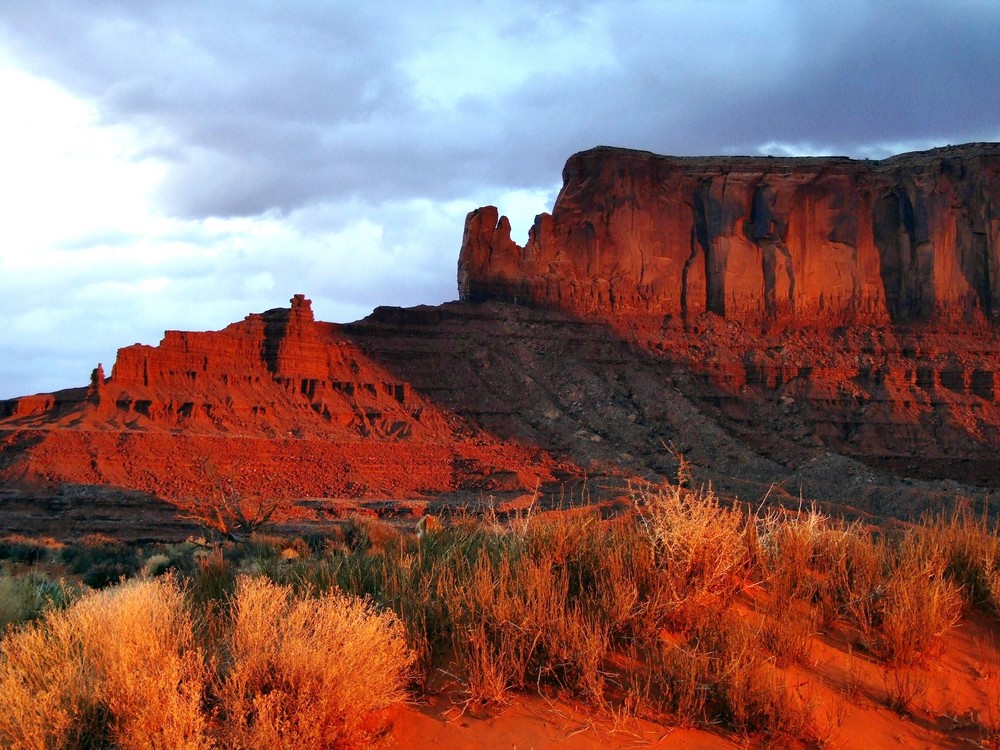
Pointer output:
x,y
897,73
857,78
261,107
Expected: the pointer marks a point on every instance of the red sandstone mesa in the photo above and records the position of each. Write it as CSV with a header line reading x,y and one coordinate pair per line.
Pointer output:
x,y
828,241
858,298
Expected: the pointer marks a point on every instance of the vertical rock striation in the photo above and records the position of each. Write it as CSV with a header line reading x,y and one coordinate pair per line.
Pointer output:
x,y
821,241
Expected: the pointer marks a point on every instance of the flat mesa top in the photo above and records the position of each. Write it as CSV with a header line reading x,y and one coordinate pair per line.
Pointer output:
x,y
791,163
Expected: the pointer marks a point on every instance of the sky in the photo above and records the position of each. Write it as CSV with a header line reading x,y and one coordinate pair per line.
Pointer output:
x,y
178,165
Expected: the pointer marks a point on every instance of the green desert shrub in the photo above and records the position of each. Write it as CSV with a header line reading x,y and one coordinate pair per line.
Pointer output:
x,y
101,562
23,598
20,550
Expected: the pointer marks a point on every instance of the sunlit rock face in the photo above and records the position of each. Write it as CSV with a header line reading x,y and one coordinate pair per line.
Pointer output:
x,y
823,241
286,404
848,305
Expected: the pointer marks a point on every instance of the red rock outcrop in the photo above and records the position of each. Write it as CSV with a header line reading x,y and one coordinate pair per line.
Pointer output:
x,y
292,402
824,241
846,304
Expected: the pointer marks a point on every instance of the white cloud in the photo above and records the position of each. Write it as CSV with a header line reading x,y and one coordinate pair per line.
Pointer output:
x,y
87,264
489,52
56,156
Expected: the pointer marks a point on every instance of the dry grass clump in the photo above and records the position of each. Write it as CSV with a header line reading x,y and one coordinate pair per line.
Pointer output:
x,y
751,695
515,625
970,549
117,668
698,545
898,590
719,672
125,668
901,591
40,687
785,548
307,672
903,621
579,605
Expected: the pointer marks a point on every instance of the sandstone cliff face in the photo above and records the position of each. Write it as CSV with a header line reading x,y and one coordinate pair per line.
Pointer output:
x,y
825,241
817,304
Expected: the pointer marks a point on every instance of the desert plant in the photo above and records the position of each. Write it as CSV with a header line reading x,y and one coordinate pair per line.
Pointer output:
x,y
787,546
367,532
101,561
304,672
21,550
698,546
903,622
497,611
750,694
628,591
786,556
118,667
851,565
970,548
23,598
212,577
904,683
157,565
227,511
718,672
41,686
670,680
787,631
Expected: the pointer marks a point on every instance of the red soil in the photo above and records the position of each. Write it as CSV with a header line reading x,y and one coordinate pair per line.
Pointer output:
x,y
957,706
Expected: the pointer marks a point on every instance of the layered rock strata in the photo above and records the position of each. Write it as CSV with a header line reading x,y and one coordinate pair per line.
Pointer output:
x,y
850,305
287,403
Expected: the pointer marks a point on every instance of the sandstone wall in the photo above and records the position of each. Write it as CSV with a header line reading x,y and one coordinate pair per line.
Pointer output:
x,y
820,240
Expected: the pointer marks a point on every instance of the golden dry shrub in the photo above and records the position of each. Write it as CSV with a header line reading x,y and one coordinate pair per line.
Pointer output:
x,y
308,672
144,665
40,686
119,667
698,544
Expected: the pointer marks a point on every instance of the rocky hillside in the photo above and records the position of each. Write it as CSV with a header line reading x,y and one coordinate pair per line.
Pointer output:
x,y
845,305
285,404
